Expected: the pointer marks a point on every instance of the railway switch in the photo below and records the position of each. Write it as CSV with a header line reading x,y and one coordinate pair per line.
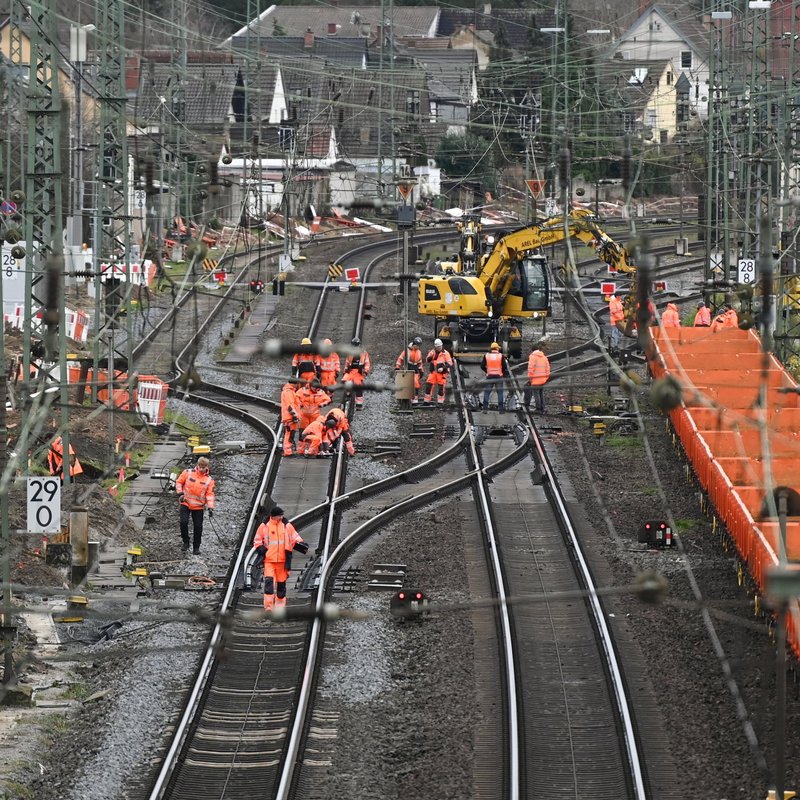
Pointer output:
x,y
408,603
656,533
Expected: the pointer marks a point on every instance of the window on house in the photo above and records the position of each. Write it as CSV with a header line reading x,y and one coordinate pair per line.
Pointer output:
x,y
686,59
651,117
669,79
285,137
364,135
663,137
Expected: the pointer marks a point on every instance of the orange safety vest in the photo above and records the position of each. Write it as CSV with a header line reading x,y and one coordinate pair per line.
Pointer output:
x,y
278,537
311,400
671,318
437,358
55,459
538,368
305,363
359,363
615,310
494,365
197,489
414,359
329,363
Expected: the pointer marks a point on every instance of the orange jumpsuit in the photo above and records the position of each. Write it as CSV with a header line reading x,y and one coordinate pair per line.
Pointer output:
x,y
305,365
278,538
671,318
356,368
441,362
55,459
329,367
318,438
309,402
289,417
342,429
727,319
415,363
538,375
703,317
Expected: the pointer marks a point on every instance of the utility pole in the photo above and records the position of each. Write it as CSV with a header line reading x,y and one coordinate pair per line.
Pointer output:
x,y
112,220
44,275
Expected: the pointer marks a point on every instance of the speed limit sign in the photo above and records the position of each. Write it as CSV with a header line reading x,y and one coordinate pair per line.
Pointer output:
x,y
747,270
44,505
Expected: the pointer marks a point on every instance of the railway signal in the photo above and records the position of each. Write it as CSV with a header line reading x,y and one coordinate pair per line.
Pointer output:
x,y
408,603
656,533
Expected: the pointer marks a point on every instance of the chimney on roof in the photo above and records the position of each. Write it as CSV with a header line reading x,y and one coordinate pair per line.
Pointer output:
x,y
332,28
308,38
132,72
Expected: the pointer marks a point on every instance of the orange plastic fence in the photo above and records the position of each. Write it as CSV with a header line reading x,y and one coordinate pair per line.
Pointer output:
x,y
721,374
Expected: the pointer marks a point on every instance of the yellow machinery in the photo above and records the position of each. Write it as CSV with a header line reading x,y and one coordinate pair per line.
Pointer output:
x,y
474,307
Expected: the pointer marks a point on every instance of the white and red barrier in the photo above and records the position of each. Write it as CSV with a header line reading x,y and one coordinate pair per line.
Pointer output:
x,y
142,274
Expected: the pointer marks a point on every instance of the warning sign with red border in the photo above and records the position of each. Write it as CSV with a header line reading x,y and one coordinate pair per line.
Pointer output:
x,y
404,189
536,186
352,274
608,288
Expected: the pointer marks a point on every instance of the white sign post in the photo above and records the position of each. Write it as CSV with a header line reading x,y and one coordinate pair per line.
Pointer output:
x,y
747,270
44,505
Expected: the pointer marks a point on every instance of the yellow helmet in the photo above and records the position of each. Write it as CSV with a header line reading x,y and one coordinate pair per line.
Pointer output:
x,y
306,340
494,346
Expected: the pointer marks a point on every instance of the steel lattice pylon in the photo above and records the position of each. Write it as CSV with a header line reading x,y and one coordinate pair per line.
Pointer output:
x,y
112,237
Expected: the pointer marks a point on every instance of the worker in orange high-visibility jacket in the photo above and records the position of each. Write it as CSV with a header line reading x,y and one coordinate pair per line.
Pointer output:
x,y
55,459
356,369
310,399
414,355
275,541
316,438
290,417
341,428
329,367
616,313
495,365
538,375
195,488
702,319
440,362
727,319
671,317
305,362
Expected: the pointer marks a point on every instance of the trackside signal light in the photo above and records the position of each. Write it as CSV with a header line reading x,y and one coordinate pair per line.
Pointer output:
x,y
406,604
656,533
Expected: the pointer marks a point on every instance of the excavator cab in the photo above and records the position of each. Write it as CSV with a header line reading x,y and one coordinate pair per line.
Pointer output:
x,y
530,288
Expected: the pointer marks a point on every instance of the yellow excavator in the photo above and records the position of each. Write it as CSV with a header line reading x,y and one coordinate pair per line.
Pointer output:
x,y
474,307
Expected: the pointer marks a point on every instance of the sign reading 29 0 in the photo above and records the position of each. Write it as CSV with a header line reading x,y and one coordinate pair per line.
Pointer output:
x,y
44,505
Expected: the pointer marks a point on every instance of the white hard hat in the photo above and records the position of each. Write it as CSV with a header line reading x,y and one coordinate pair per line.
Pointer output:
x,y
437,343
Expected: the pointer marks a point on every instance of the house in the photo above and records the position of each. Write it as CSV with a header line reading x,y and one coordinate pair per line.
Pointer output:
x,y
639,97
668,29
346,21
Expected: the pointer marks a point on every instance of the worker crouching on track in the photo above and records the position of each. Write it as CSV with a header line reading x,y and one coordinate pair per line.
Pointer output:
x,y
341,428
414,363
55,460
275,540
440,362
495,365
290,417
356,369
195,488
316,438
727,319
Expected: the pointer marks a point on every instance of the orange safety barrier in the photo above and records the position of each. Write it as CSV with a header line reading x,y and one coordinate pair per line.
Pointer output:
x,y
721,375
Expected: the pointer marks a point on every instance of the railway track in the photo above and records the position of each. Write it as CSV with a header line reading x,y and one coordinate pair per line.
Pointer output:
x,y
251,718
